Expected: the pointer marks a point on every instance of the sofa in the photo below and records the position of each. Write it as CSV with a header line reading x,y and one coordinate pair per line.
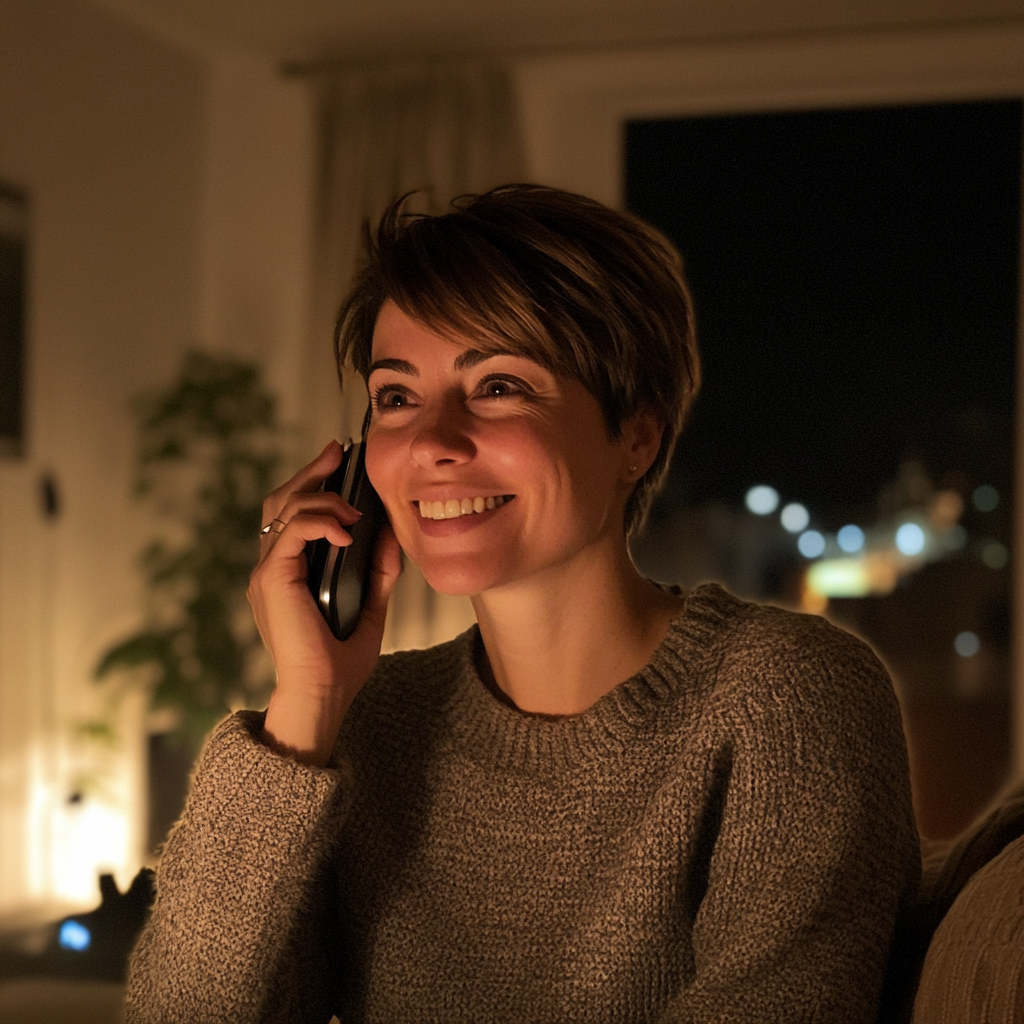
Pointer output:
x,y
959,957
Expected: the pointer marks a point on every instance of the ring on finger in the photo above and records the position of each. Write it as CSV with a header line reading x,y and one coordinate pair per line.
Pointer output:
x,y
274,526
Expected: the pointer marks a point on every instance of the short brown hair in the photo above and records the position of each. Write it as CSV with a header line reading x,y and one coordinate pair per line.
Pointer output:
x,y
582,289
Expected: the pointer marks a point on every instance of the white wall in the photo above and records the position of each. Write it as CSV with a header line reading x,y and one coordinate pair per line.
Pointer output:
x,y
170,206
258,221
103,127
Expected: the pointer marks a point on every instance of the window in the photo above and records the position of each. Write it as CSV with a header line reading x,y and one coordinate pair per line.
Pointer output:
x,y
855,277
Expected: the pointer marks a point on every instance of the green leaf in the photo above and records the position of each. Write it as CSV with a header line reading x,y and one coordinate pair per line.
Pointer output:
x,y
137,650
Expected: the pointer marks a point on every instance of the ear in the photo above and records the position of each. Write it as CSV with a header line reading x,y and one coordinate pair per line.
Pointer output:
x,y
641,435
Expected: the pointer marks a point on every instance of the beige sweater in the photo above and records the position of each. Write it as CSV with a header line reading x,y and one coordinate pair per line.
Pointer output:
x,y
726,836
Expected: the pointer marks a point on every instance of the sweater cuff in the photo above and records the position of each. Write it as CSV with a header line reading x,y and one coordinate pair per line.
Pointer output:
x,y
238,775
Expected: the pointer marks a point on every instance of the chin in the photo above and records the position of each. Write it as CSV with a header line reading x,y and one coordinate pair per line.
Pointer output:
x,y
460,577
455,580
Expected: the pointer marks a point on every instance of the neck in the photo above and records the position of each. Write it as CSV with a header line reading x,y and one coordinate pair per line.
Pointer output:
x,y
559,642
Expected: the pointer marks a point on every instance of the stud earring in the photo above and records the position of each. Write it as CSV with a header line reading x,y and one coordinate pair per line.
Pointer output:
x,y
632,469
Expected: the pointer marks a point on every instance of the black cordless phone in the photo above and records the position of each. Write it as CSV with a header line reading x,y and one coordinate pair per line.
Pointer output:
x,y
339,578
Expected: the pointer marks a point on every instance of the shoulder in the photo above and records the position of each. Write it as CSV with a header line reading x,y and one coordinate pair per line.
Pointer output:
x,y
807,718
767,662
763,637
763,640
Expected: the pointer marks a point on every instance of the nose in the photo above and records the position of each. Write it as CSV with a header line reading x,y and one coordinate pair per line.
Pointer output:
x,y
443,436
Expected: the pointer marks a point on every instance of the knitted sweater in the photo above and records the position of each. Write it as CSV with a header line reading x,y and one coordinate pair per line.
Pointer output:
x,y
726,836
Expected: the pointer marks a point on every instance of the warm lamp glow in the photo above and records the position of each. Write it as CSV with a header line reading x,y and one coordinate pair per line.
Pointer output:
x,y
73,832
839,577
874,573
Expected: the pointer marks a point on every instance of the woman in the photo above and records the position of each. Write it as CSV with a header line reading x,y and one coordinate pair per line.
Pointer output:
x,y
608,801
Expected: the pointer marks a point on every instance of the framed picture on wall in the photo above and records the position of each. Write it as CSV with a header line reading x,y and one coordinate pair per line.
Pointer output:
x,y
13,244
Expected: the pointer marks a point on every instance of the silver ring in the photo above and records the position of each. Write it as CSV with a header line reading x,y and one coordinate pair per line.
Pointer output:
x,y
269,528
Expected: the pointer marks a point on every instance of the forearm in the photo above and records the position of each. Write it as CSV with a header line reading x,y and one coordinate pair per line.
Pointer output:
x,y
233,881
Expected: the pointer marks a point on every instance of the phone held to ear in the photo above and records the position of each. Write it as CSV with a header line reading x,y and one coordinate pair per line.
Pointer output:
x,y
339,578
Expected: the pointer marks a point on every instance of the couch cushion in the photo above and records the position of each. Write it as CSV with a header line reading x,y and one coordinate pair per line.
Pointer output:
x,y
976,846
947,866
974,970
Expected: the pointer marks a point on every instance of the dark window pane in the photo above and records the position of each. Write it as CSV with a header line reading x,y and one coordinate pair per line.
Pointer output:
x,y
12,321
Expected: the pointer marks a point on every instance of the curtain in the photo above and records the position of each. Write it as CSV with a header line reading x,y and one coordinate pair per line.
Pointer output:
x,y
444,128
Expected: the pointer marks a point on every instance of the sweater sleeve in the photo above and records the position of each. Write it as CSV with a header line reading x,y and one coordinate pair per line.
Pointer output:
x,y
816,851
239,930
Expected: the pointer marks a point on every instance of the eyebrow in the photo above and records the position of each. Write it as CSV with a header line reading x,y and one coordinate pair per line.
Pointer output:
x,y
463,361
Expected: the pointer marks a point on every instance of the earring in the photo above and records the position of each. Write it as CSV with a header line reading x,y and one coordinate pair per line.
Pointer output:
x,y
632,469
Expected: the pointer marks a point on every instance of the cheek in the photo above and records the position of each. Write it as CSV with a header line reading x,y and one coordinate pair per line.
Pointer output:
x,y
382,467
586,459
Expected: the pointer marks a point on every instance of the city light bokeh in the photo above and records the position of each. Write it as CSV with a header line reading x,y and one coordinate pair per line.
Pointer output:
x,y
795,517
762,500
871,560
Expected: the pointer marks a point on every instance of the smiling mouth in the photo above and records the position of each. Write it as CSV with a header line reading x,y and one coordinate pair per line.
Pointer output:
x,y
455,507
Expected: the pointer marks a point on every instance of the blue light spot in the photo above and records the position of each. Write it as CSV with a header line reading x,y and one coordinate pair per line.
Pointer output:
x,y
762,500
967,644
910,539
795,517
74,935
811,544
850,538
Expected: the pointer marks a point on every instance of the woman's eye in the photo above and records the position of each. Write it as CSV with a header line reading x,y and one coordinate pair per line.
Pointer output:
x,y
390,398
501,387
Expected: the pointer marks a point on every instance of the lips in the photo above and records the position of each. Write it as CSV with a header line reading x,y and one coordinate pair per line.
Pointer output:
x,y
454,508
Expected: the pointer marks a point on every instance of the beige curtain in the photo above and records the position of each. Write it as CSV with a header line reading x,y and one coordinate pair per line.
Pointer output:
x,y
447,128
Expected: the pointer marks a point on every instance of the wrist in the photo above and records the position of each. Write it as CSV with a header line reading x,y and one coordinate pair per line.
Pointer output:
x,y
304,725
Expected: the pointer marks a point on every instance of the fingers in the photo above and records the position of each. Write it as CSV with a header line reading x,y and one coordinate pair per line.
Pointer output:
x,y
319,505
303,527
308,479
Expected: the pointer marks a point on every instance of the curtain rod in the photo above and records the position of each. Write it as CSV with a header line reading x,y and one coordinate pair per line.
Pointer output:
x,y
296,68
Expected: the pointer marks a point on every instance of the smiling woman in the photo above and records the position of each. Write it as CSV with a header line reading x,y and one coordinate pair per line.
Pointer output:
x,y
608,800
498,429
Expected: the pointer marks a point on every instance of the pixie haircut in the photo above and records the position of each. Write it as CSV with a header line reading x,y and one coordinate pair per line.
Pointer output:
x,y
588,292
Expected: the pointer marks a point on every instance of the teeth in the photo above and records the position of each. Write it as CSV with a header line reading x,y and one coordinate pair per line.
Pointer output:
x,y
454,507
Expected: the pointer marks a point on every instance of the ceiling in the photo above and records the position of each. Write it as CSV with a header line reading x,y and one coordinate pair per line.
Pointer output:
x,y
372,29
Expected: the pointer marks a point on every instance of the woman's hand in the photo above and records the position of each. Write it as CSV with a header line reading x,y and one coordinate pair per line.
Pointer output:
x,y
318,676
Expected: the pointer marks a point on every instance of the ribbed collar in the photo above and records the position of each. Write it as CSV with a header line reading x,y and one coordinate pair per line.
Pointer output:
x,y
487,730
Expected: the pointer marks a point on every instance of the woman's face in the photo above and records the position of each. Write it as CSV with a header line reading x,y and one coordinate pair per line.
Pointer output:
x,y
455,429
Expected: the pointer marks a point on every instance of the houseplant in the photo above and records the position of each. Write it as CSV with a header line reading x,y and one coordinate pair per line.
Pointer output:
x,y
208,449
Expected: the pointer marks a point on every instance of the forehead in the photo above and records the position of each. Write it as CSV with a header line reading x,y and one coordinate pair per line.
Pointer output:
x,y
400,343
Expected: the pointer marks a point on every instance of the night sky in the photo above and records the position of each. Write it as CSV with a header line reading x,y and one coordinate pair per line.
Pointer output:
x,y
855,278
